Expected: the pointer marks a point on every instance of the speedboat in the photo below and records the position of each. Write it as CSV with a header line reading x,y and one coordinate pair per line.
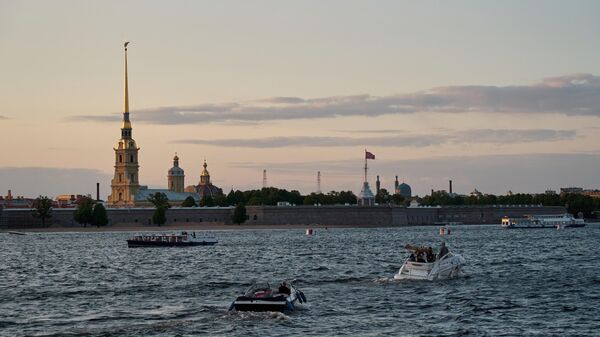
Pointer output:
x,y
423,266
172,240
262,297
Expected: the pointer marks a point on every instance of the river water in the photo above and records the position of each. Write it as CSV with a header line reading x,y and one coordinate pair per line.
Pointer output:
x,y
517,283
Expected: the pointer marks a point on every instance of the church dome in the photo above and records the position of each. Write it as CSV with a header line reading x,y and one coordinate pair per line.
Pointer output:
x,y
176,170
404,190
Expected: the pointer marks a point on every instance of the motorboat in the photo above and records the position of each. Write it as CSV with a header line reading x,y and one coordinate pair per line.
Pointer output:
x,y
542,221
423,264
185,239
263,297
16,233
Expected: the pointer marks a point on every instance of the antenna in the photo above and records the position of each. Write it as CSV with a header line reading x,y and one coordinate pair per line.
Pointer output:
x,y
264,178
318,182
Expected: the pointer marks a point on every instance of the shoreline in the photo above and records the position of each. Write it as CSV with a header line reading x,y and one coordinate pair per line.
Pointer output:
x,y
196,227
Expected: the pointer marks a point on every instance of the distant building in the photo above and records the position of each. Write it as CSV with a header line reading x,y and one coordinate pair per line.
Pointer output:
x,y
176,177
476,193
404,190
571,190
366,197
377,186
68,200
592,193
205,186
550,192
10,201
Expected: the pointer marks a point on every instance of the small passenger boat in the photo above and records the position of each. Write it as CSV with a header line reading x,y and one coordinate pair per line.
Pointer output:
x,y
423,264
261,297
171,240
16,233
542,221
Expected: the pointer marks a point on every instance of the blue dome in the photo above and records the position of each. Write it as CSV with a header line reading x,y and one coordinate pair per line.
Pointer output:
x,y
404,190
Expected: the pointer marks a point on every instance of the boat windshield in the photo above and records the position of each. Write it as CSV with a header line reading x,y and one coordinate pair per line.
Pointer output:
x,y
258,288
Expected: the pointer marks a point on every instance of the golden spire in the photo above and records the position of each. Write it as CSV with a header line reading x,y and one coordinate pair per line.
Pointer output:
x,y
126,122
126,87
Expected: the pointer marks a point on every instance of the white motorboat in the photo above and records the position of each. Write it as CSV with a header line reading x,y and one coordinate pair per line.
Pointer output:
x,y
423,266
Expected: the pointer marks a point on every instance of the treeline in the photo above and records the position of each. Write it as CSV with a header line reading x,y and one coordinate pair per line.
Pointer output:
x,y
270,196
574,203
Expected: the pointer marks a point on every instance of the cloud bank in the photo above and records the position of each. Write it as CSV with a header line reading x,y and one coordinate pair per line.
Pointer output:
x,y
573,95
50,181
502,136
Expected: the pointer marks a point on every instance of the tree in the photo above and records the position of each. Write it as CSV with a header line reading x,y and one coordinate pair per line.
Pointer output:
x,y
161,202
239,214
99,217
160,216
83,212
207,201
189,202
220,200
42,208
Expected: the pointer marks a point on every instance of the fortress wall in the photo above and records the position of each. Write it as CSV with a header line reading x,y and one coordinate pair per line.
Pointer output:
x,y
295,215
323,215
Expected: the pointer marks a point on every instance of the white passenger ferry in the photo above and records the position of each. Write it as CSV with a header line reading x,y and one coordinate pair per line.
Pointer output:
x,y
543,221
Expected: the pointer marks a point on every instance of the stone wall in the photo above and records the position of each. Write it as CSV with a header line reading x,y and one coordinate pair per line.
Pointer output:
x,y
294,215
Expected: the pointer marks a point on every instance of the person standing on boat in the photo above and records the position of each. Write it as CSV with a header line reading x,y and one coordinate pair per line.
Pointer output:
x,y
443,250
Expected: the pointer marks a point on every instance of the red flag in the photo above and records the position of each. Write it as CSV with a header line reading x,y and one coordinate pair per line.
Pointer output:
x,y
369,155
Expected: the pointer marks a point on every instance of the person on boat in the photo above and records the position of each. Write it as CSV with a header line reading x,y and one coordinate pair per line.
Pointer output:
x,y
430,256
412,257
443,250
284,289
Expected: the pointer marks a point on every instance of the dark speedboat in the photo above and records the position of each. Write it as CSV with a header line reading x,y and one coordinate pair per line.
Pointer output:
x,y
261,297
171,240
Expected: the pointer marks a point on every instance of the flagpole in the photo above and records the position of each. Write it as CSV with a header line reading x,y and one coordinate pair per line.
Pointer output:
x,y
365,165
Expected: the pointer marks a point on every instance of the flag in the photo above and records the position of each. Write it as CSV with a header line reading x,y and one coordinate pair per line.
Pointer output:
x,y
369,155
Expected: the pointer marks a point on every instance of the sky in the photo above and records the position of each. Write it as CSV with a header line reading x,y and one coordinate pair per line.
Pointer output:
x,y
495,95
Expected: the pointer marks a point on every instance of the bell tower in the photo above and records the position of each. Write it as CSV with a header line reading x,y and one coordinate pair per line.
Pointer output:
x,y
125,183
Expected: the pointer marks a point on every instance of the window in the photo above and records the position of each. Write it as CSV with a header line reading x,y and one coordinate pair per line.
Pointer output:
x,y
120,177
120,158
120,196
133,177
131,158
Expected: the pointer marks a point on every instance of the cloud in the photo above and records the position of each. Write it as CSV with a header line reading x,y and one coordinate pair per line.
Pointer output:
x,y
500,136
2,117
576,95
51,181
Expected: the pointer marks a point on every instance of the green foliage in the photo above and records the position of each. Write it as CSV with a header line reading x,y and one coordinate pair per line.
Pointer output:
x,y
159,217
42,208
207,201
159,200
574,203
99,216
220,200
383,197
189,202
239,214
331,198
83,212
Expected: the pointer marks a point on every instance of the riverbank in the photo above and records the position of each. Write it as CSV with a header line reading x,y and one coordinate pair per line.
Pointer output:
x,y
188,227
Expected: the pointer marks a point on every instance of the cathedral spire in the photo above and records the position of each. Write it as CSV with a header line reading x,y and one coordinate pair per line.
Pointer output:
x,y
126,128
126,86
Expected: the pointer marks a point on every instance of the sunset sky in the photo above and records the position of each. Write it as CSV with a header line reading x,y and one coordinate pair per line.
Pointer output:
x,y
495,95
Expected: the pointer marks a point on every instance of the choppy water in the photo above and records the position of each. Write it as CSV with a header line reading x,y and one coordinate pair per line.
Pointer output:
x,y
517,282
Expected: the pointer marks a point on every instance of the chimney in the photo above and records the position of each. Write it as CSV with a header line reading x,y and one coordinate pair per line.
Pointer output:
x,y
97,191
450,187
